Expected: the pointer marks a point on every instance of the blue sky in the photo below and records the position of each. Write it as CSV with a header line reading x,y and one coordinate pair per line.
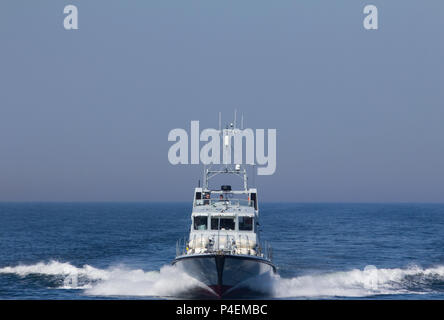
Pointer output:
x,y
85,114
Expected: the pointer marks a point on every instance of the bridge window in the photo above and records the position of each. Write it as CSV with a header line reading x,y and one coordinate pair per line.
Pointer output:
x,y
224,223
245,223
200,222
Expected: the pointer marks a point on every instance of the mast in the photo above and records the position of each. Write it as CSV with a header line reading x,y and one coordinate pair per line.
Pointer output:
x,y
227,135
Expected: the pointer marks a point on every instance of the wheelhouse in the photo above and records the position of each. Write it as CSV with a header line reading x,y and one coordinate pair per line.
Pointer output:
x,y
216,222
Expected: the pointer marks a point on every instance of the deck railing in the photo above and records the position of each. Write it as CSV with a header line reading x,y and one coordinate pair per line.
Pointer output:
x,y
230,202
224,244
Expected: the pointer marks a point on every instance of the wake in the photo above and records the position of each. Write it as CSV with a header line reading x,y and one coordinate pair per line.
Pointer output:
x,y
370,281
114,281
170,282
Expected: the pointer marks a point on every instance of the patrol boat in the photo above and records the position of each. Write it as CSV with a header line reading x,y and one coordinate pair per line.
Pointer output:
x,y
224,249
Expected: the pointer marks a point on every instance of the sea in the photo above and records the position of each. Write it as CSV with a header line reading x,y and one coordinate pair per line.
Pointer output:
x,y
124,251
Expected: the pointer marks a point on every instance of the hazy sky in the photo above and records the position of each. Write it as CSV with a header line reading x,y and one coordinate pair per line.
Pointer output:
x,y
85,114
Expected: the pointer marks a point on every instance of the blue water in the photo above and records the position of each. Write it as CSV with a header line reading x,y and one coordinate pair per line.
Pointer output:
x,y
121,250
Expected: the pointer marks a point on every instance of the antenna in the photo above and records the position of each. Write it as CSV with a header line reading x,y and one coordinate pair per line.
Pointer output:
x,y
242,121
220,120
205,180
235,112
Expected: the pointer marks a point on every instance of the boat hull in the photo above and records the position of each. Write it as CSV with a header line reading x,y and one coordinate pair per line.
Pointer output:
x,y
224,274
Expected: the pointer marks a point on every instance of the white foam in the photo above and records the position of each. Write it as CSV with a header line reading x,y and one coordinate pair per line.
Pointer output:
x,y
354,283
56,268
168,281
122,282
115,281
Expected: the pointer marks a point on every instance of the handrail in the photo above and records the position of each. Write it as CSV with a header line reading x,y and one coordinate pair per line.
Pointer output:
x,y
215,202
262,249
